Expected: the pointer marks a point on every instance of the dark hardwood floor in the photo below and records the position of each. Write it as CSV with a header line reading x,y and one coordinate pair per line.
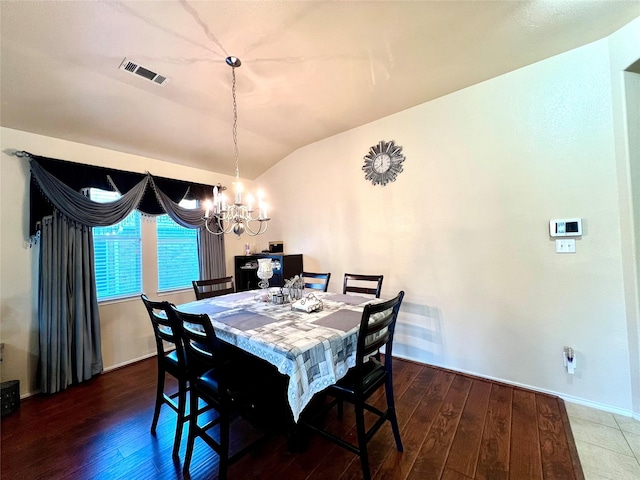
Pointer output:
x,y
454,427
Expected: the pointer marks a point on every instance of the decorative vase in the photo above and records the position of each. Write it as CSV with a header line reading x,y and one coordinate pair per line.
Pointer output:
x,y
265,272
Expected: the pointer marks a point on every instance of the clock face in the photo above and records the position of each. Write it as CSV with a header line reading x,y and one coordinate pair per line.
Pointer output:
x,y
383,163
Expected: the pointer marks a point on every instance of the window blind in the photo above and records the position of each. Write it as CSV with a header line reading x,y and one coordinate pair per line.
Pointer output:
x,y
177,253
117,253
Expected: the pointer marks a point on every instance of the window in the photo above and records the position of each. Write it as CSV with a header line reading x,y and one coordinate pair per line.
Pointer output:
x,y
117,253
177,253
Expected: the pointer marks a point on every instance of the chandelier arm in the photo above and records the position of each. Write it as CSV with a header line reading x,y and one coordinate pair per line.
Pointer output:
x,y
220,220
260,231
206,225
249,231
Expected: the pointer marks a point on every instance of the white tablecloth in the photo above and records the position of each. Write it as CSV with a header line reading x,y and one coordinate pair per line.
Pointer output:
x,y
314,349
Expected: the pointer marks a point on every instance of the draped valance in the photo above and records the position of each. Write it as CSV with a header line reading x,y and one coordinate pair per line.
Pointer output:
x,y
58,184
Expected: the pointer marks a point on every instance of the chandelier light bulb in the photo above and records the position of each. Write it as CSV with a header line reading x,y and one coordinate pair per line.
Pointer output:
x,y
238,196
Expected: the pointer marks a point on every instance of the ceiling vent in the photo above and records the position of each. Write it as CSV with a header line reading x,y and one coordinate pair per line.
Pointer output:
x,y
137,69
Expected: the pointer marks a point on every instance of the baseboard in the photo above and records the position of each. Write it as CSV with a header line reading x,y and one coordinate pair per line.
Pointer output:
x,y
129,362
567,398
105,370
598,406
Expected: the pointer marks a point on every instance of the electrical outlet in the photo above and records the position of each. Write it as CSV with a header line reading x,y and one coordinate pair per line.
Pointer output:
x,y
567,245
569,359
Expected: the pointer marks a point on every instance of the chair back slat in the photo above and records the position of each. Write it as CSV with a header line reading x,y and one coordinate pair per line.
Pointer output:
x,y
377,327
377,334
376,344
201,344
378,323
358,287
213,287
164,327
323,285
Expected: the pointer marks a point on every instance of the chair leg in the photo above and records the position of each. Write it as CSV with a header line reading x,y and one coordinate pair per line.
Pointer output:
x,y
391,406
362,442
182,407
191,436
159,398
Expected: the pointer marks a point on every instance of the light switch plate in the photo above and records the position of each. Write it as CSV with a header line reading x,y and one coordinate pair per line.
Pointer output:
x,y
567,245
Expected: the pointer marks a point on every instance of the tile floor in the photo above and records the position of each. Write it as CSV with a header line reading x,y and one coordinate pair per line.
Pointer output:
x,y
608,444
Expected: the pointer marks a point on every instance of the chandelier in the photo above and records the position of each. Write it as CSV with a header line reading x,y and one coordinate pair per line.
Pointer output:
x,y
237,217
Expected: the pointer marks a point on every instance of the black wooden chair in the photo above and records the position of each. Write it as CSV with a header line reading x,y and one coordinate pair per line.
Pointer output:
x,y
213,287
174,363
221,387
354,283
369,374
316,281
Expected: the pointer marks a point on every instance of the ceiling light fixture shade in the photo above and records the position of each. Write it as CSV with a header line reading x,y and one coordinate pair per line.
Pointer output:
x,y
237,217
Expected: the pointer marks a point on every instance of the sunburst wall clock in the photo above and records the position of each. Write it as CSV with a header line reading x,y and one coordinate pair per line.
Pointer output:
x,y
383,163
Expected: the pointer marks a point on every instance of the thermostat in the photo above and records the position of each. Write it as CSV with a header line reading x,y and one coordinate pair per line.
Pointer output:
x,y
569,227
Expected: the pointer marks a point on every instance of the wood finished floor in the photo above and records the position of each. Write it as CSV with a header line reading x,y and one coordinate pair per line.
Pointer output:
x,y
453,426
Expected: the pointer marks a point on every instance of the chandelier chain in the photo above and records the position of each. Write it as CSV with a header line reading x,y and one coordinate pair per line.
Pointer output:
x,y
235,121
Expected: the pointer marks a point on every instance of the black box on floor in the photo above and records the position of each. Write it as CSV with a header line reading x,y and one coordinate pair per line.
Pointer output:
x,y
10,397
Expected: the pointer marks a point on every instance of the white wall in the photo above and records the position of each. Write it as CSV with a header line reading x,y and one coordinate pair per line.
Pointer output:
x,y
125,326
464,229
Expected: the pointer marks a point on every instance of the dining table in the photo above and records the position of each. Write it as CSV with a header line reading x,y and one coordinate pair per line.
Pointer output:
x,y
314,349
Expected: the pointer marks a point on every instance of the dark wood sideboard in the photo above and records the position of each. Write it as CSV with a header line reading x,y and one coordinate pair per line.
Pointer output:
x,y
284,267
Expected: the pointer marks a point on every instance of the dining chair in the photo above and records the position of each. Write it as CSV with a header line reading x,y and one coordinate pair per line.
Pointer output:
x,y
213,287
316,281
214,381
353,282
171,361
377,327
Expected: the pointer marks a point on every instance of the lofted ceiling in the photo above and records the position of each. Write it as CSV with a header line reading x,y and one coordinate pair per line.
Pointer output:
x,y
310,69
